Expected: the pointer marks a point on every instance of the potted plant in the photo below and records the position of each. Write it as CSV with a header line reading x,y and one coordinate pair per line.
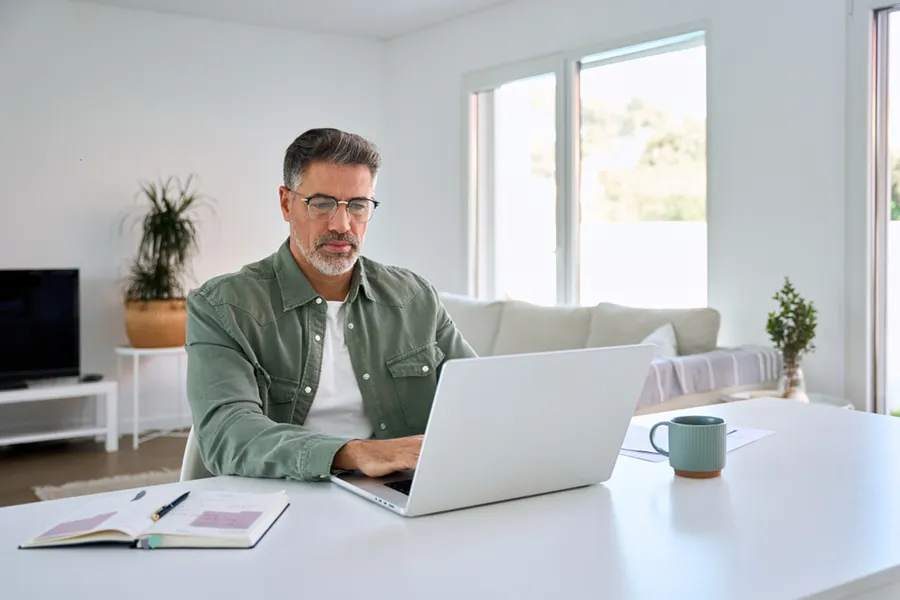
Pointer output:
x,y
792,329
155,311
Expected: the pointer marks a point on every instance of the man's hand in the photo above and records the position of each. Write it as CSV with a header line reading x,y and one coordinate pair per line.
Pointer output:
x,y
377,458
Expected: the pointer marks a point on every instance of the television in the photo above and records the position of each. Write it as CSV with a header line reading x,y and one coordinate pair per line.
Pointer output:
x,y
39,325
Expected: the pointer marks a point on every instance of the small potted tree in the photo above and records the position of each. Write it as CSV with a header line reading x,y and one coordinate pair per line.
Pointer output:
x,y
155,311
792,329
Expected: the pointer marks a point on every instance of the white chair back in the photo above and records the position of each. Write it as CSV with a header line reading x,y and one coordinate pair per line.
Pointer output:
x,y
192,466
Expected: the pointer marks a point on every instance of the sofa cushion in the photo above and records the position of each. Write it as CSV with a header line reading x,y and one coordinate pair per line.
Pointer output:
x,y
477,320
664,340
526,327
696,329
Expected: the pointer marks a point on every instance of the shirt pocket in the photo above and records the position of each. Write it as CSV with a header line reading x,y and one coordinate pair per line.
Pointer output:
x,y
414,375
278,395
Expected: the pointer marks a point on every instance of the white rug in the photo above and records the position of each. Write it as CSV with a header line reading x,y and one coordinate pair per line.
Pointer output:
x,y
105,484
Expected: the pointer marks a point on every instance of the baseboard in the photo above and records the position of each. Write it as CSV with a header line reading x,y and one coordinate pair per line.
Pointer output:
x,y
126,426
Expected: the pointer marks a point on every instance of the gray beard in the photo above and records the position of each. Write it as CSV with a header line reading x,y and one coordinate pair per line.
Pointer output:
x,y
328,264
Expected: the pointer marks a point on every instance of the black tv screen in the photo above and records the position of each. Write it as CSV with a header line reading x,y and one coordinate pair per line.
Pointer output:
x,y
39,325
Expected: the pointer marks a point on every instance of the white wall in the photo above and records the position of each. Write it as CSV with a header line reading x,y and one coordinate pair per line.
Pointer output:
x,y
94,98
776,143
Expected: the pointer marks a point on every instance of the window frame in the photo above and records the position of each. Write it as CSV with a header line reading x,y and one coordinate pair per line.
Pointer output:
x,y
867,189
477,94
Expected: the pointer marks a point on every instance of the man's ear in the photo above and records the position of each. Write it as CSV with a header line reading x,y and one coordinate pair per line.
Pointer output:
x,y
285,201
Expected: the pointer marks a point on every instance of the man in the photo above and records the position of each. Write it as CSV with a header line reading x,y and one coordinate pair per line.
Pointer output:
x,y
316,359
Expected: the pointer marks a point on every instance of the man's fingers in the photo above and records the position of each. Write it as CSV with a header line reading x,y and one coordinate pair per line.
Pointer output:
x,y
400,454
406,462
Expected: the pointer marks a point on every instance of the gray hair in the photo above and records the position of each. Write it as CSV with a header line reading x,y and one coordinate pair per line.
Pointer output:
x,y
328,145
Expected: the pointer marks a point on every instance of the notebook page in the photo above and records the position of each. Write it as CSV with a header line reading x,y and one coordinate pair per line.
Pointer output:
x,y
127,511
219,514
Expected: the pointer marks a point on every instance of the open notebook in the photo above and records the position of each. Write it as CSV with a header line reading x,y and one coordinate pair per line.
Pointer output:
x,y
206,519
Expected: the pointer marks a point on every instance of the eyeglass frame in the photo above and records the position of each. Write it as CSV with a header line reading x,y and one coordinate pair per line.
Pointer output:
x,y
375,204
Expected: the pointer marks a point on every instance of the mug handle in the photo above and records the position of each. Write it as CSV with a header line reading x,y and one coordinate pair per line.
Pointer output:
x,y
652,443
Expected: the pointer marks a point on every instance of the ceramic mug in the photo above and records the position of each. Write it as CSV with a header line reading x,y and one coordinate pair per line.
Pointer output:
x,y
696,445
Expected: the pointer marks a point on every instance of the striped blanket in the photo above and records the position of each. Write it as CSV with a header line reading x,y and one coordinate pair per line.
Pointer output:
x,y
700,373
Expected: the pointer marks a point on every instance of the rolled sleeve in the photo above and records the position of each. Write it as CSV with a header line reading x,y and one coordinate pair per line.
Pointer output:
x,y
234,434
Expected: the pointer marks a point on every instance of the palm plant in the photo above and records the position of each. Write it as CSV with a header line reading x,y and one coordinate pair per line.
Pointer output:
x,y
168,242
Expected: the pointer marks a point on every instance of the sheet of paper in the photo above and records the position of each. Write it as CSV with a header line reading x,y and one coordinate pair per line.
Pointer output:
x,y
637,441
648,456
741,436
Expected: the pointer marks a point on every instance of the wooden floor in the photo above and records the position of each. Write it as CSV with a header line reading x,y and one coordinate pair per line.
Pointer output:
x,y
56,463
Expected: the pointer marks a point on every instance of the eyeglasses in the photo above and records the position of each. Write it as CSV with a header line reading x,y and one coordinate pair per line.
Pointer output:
x,y
323,208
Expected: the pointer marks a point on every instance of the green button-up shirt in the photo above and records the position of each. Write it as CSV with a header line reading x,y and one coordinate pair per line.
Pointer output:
x,y
254,358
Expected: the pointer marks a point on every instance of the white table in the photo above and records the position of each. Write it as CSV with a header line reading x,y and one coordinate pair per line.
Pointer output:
x,y
105,395
136,354
810,511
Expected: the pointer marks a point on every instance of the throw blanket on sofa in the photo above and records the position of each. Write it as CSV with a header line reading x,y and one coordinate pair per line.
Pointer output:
x,y
700,373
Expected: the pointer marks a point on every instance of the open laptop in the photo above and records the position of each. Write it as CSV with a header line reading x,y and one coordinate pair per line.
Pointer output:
x,y
506,427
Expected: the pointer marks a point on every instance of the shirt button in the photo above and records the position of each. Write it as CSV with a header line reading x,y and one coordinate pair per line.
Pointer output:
x,y
308,390
350,325
318,301
383,426
366,376
318,338
425,368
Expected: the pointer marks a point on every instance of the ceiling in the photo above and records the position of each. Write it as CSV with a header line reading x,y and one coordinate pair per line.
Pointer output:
x,y
373,19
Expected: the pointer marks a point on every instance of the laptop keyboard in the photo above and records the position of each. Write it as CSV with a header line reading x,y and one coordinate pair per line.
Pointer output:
x,y
401,486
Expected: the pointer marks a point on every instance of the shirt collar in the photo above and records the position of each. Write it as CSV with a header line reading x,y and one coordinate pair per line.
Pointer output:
x,y
296,290
360,281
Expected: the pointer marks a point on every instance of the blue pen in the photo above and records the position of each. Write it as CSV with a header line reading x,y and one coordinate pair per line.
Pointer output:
x,y
165,509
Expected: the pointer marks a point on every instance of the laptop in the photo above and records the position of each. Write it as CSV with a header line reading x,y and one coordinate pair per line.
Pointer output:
x,y
507,427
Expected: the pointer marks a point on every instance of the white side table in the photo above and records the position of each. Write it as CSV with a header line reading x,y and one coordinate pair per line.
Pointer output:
x,y
136,354
814,398
104,392
817,398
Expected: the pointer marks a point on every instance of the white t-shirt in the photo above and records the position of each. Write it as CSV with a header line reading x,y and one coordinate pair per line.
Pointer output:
x,y
337,408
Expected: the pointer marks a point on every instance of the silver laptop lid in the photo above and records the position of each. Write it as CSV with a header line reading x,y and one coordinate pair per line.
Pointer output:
x,y
506,427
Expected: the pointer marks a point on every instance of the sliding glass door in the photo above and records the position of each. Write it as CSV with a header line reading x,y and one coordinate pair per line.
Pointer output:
x,y
887,211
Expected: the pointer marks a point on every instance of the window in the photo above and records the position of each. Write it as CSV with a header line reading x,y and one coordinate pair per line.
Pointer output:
x,y
590,177
520,148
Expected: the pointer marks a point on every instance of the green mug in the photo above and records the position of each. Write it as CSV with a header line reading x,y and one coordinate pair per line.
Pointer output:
x,y
696,445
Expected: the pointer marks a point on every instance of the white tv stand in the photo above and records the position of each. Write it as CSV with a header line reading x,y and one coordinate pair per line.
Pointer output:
x,y
38,391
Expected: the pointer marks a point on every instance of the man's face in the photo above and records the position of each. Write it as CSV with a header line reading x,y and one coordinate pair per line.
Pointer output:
x,y
330,246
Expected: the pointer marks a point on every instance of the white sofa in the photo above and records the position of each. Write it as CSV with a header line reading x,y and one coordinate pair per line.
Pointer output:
x,y
689,370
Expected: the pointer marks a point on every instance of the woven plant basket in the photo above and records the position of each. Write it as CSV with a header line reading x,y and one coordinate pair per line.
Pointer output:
x,y
155,323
